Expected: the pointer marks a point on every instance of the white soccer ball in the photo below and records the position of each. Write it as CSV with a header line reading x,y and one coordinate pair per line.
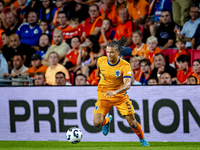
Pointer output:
x,y
74,135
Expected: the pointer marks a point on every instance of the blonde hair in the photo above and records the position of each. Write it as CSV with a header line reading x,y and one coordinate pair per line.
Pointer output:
x,y
152,39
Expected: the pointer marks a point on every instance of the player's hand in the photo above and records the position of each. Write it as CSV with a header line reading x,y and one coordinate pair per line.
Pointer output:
x,y
108,94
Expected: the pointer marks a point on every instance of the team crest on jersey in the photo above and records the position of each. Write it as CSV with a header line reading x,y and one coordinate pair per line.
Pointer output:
x,y
96,107
117,73
36,31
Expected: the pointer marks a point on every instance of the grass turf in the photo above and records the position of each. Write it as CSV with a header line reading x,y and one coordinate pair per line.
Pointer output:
x,y
58,145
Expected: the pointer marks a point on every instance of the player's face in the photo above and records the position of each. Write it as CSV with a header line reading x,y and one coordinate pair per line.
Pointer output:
x,y
58,38
165,79
14,41
152,82
135,63
196,67
60,79
62,19
44,41
93,12
191,80
112,54
46,3
183,65
75,43
36,63
39,80
17,62
144,67
159,61
136,38
180,45
53,59
152,45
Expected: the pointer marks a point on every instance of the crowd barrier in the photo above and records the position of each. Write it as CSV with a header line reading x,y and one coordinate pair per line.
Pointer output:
x,y
46,113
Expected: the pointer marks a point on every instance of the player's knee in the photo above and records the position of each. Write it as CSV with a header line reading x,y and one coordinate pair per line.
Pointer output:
x,y
133,123
97,123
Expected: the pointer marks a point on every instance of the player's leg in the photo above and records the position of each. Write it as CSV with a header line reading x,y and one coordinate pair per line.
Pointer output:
x,y
126,109
102,107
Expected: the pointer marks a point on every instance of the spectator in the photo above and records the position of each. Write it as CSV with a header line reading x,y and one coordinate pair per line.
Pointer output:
x,y
12,22
54,68
93,23
20,12
180,10
161,66
165,33
69,8
37,66
48,10
34,5
190,26
39,79
165,79
196,68
3,65
153,81
44,26
192,80
141,48
81,79
135,67
44,44
73,57
60,7
138,11
19,68
180,44
152,43
107,33
145,66
156,6
94,52
30,32
20,48
60,47
2,14
60,79
70,30
1,31
93,79
185,71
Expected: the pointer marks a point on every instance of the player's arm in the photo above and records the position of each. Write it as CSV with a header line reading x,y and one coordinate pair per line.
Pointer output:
x,y
123,88
98,71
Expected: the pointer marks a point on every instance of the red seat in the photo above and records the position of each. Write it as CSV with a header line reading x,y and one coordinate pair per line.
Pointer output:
x,y
194,54
169,54
71,75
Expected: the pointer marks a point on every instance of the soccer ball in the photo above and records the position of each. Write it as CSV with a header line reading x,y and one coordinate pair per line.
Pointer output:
x,y
74,135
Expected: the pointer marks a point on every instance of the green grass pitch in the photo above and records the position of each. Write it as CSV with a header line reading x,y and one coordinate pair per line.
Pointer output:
x,y
57,145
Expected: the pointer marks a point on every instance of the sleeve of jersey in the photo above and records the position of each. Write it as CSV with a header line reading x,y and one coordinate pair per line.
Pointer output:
x,y
100,59
126,71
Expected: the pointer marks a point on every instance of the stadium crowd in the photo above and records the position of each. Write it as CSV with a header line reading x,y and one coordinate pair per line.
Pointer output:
x,y
58,42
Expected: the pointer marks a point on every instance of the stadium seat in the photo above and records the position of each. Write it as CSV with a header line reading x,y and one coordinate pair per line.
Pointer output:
x,y
71,75
194,54
169,54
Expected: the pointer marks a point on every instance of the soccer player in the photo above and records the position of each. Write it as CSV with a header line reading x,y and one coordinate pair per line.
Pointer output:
x,y
115,81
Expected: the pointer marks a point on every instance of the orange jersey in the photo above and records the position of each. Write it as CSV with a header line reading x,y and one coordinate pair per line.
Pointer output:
x,y
93,79
137,75
183,77
72,55
123,29
142,8
41,69
177,54
198,78
112,77
150,55
69,32
142,51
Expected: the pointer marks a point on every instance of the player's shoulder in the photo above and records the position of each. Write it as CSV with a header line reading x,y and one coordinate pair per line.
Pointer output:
x,y
124,62
102,59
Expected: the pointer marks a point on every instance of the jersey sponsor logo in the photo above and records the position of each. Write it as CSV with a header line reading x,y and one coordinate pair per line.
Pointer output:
x,y
96,107
129,72
35,31
117,73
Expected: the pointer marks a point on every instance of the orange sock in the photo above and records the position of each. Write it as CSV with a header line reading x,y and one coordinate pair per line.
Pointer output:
x,y
106,120
139,131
